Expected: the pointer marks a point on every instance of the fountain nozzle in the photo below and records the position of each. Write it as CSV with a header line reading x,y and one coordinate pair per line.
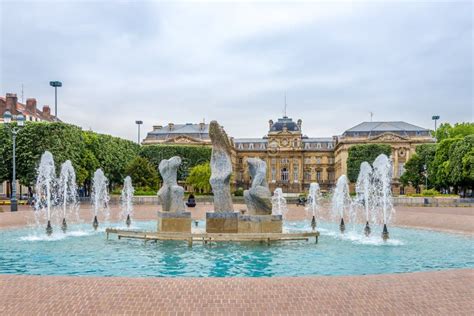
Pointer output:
x,y
367,229
385,234
196,223
95,224
313,223
64,225
128,221
49,229
342,227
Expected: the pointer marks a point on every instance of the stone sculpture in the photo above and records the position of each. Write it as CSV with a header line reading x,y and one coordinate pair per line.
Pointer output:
x,y
221,168
171,194
258,197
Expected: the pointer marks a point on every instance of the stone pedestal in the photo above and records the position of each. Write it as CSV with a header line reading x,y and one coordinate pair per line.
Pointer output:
x,y
172,222
248,224
224,222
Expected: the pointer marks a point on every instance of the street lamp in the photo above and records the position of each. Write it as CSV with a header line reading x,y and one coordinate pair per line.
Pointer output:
x,y
435,118
138,124
56,84
20,119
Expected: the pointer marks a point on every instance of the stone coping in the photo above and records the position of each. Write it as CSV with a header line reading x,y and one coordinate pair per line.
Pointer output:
x,y
173,214
260,218
222,215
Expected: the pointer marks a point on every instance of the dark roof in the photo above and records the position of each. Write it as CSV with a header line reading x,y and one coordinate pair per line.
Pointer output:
x,y
284,122
397,126
197,131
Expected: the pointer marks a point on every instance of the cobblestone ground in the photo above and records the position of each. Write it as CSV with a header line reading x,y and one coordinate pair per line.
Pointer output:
x,y
435,293
440,293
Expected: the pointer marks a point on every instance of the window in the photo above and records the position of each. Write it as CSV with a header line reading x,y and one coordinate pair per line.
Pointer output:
x,y
307,146
318,176
401,168
318,160
295,173
251,146
330,146
318,145
307,175
295,143
331,160
262,145
285,161
274,171
402,190
284,175
331,175
240,146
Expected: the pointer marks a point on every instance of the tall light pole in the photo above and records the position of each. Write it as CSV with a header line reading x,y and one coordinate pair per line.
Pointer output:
x,y
20,119
435,118
56,84
138,124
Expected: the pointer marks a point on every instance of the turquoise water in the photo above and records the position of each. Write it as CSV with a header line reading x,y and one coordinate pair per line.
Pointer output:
x,y
85,252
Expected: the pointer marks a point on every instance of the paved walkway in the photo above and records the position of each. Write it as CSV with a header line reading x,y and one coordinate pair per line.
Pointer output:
x,y
440,293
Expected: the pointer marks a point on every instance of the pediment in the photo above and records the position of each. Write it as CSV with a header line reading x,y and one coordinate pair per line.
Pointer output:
x,y
182,139
388,137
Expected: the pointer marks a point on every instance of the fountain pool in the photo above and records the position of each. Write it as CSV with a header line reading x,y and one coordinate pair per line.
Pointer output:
x,y
83,251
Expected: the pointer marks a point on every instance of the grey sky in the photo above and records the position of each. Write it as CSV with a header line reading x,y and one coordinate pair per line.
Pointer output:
x,y
181,62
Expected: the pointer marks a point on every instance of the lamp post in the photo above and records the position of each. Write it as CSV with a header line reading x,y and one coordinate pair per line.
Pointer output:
x,y
138,124
56,84
435,118
20,119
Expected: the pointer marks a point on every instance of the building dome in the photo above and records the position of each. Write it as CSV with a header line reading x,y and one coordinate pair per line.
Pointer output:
x,y
283,122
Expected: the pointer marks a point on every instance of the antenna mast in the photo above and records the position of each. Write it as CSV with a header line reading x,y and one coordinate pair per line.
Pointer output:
x,y
22,94
284,109
371,115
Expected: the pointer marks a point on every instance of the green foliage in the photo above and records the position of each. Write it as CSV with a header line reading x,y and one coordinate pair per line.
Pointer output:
x,y
446,131
414,174
199,178
430,192
190,155
361,153
239,192
143,173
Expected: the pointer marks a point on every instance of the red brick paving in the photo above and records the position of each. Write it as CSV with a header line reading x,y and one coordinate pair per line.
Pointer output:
x,y
435,293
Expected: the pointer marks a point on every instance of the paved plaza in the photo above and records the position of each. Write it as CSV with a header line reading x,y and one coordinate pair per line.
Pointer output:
x,y
448,292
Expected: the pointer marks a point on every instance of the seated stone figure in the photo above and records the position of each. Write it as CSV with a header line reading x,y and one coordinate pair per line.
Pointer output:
x,y
171,194
258,197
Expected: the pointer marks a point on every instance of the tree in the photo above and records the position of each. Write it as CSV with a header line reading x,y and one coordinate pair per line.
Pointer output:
x,y
190,155
414,169
361,153
144,175
199,177
446,131
459,169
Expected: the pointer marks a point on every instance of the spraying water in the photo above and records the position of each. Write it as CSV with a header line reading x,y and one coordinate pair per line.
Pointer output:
x,y
341,201
127,199
99,196
279,206
314,202
363,191
45,184
382,190
67,192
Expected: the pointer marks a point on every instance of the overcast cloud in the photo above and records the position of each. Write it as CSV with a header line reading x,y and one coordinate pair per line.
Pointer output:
x,y
184,62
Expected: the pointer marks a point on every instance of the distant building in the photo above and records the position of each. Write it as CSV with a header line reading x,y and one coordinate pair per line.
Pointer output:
x,y
189,134
29,109
294,160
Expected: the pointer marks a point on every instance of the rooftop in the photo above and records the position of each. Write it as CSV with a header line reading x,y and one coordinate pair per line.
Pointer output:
x,y
395,126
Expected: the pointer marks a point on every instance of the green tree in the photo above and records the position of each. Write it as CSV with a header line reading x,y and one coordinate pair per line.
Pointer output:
x,y
414,170
361,153
199,177
190,156
459,169
446,131
144,175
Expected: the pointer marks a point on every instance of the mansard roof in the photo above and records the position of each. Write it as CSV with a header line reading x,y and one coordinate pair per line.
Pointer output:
x,y
285,121
395,126
198,131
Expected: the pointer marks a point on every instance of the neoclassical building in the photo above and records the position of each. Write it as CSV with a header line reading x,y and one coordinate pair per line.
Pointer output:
x,y
293,159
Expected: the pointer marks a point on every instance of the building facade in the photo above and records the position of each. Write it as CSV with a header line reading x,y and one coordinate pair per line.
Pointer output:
x,y
31,113
294,160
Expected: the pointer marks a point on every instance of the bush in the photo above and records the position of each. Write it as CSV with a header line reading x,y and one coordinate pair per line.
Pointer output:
x,y
143,173
430,192
239,192
361,153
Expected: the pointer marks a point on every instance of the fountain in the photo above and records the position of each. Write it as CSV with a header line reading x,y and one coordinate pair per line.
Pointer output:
x,y
45,184
99,196
382,191
341,201
314,202
67,192
127,200
363,190
279,206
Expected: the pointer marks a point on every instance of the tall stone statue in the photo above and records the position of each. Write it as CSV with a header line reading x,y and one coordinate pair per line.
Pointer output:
x,y
171,194
258,198
221,168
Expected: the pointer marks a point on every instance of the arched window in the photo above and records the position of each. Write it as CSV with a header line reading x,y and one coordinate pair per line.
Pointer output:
x,y
284,175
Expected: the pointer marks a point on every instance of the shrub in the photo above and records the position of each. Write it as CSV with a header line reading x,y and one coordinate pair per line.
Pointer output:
x,y
239,192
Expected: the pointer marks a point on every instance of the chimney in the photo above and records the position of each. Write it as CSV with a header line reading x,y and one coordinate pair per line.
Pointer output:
x,y
157,127
270,123
31,105
46,112
202,126
11,103
170,126
299,124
